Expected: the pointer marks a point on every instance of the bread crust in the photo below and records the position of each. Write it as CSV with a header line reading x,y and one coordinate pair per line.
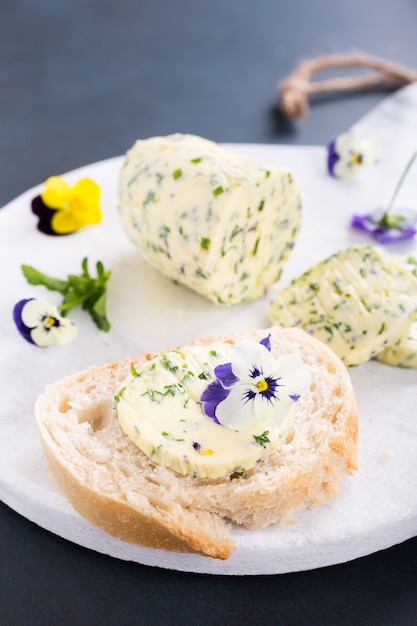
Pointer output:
x,y
115,486
127,523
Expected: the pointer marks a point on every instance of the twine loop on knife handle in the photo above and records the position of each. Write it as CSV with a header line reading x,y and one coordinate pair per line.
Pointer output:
x,y
296,89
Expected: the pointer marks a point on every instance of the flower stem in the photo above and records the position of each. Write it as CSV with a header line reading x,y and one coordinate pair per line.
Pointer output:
x,y
400,183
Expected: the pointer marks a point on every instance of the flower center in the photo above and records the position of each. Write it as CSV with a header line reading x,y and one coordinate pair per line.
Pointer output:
x,y
356,158
262,385
50,321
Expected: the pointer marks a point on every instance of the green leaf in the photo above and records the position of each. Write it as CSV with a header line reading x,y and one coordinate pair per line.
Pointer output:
x,y
98,313
84,266
34,277
78,290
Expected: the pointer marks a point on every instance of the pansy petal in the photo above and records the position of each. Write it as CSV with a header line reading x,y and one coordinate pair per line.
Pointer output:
x,y
345,169
391,235
86,211
56,192
92,212
64,222
250,353
343,143
225,375
234,412
84,199
35,310
17,317
42,337
66,332
18,308
273,416
85,188
39,207
45,215
211,397
266,341
332,157
364,222
296,377
346,143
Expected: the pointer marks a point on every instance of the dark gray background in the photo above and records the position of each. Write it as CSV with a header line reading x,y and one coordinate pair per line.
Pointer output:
x,y
80,81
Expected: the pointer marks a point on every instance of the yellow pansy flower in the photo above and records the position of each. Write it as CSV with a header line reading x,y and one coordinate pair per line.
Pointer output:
x,y
75,206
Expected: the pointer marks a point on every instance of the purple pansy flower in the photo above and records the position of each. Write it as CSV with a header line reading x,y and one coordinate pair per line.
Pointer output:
x,y
255,387
387,228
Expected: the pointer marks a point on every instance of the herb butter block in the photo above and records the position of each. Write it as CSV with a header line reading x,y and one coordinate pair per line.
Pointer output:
x,y
358,302
404,352
210,219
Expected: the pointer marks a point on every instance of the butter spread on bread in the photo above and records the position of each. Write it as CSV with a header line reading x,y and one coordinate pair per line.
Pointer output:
x,y
209,218
112,483
159,406
357,301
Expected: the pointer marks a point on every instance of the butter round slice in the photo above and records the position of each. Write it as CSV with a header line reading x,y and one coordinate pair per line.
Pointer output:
x,y
159,409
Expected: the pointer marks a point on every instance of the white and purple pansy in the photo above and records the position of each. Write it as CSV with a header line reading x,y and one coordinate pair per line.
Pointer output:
x,y
255,387
348,154
41,324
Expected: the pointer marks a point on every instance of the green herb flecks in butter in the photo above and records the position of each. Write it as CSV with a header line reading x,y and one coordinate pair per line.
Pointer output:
x,y
232,222
205,243
159,409
357,302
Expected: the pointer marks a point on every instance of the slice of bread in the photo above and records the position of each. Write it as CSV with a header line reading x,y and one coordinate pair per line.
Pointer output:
x,y
109,481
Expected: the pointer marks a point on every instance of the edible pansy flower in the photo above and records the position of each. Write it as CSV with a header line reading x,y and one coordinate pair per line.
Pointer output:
x,y
348,154
388,226
41,324
63,209
255,387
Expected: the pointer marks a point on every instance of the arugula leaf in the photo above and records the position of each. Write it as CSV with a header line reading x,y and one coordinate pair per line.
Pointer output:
x,y
79,289
98,313
34,277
